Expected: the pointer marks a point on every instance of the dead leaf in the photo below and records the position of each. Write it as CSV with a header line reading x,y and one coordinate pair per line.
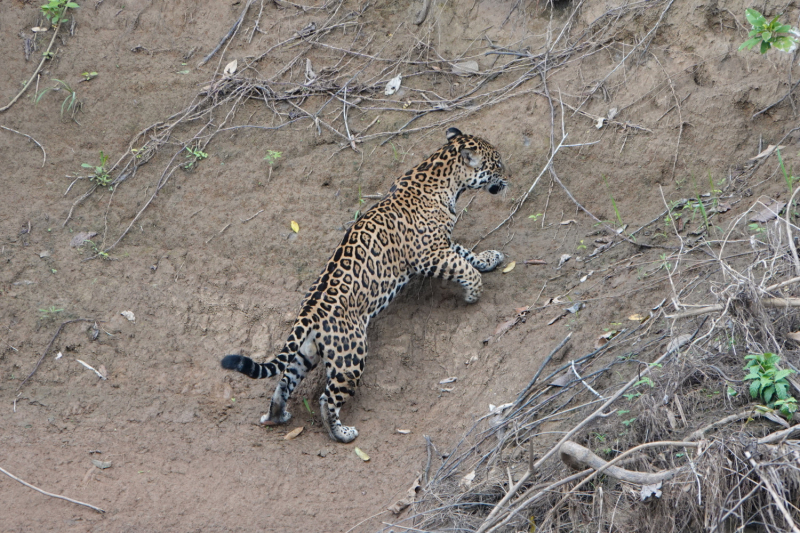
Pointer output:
x,y
603,339
505,326
445,381
360,453
79,239
770,209
404,431
636,317
90,367
44,254
101,464
393,85
39,29
767,151
564,258
466,68
411,495
566,222
230,68
535,262
574,308
466,481
510,267
650,490
293,433
520,310
553,321
678,342
310,74
562,380
794,335
723,207
295,227
129,315
600,122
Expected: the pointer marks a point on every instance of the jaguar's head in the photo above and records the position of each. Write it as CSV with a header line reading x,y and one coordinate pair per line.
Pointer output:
x,y
481,161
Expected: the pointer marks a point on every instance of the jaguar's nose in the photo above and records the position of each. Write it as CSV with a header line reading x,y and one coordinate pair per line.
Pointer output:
x,y
494,188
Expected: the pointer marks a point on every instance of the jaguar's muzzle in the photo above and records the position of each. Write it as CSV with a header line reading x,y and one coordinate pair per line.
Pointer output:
x,y
496,186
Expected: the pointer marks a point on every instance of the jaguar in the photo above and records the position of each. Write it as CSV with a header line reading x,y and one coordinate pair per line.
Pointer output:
x,y
407,233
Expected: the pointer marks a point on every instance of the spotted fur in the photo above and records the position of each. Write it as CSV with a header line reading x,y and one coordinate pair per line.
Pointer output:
x,y
407,233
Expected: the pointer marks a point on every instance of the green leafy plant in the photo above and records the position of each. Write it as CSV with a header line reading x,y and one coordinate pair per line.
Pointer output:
x,y
88,76
101,175
97,251
70,104
536,217
55,10
789,179
195,155
613,204
361,201
49,313
769,383
272,156
770,34
308,407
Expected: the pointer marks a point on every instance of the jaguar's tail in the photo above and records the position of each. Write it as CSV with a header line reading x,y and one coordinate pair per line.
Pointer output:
x,y
254,370
250,368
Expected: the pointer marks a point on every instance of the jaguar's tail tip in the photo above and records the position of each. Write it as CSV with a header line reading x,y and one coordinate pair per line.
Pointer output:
x,y
232,362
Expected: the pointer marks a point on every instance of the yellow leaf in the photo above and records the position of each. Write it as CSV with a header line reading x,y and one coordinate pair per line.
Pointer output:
x,y
361,454
636,317
293,433
510,267
295,227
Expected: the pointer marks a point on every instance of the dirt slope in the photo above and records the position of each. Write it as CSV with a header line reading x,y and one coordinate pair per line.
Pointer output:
x,y
183,437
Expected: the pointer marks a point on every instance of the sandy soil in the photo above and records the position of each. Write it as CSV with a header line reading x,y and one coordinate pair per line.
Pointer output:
x,y
182,435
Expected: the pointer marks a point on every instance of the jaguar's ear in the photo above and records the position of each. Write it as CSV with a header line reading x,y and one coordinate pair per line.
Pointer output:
x,y
452,133
471,158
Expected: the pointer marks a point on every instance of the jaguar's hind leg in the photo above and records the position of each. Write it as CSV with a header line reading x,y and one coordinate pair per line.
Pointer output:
x,y
344,373
305,359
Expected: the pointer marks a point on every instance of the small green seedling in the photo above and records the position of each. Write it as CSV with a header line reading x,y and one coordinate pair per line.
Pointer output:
x,y
88,76
70,103
272,156
789,179
769,383
195,155
97,251
770,34
101,176
536,217
55,10
49,313
308,407
613,204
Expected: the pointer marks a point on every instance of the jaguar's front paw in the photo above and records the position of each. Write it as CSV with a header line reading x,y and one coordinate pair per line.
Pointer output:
x,y
489,260
344,434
